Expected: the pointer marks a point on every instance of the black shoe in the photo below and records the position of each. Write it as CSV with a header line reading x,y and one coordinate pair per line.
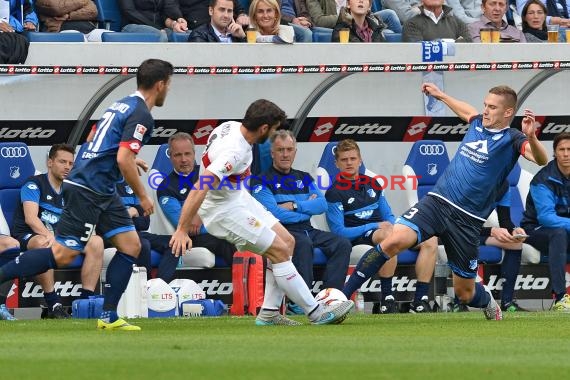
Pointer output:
x,y
422,306
512,306
459,308
58,312
389,306
376,308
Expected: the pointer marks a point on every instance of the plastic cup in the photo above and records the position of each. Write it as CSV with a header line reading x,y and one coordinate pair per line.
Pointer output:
x,y
552,33
343,35
495,36
251,34
485,35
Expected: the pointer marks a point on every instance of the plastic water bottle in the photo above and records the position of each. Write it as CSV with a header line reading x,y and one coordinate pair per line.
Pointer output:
x,y
359,302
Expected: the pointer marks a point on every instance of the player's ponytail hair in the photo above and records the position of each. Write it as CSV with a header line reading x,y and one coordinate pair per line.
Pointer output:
x,y
261,112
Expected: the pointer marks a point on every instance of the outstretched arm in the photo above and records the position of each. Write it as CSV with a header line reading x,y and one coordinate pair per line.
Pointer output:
x,y
535,151
464,110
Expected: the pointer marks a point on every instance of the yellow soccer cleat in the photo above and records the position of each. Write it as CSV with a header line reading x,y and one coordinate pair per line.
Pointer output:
x,y
119,324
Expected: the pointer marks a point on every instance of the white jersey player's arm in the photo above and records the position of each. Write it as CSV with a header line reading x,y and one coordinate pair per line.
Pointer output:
x,y
180,242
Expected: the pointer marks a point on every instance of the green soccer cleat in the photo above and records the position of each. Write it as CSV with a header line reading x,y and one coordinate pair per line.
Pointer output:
x,y
119,324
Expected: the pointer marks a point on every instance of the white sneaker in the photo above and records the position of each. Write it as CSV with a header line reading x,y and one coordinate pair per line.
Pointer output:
x,y
492,311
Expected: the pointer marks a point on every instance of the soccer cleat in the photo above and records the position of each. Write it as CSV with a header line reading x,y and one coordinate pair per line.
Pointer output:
x,y
459,308
266,319
512,307
334,314
422,306
294,309
119,324
563,305
58,312
492,311
389,306
5,314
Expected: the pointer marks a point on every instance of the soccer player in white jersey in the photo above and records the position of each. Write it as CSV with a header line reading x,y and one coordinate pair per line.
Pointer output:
x,y
228,211
464,195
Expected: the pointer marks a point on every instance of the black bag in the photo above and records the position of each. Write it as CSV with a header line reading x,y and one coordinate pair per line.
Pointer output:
x,y
13,48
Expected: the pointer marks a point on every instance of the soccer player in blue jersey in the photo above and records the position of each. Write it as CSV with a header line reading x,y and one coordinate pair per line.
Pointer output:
x,y
464,196
90,193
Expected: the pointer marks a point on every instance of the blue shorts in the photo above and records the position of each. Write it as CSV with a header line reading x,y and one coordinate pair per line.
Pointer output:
x,y
84,211
458,232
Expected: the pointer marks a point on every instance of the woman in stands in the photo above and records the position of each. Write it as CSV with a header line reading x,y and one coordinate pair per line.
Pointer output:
x,y
363,25
534,22
265,16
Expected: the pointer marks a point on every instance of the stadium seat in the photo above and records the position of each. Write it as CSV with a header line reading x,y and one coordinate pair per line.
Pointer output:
x,y
324,175
393,37
55,37
109,15
129,37
179,36
199,257
322,35
376,6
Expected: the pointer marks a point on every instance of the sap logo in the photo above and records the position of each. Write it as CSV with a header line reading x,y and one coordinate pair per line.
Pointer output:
x,y
524,282
364,214
556,128
438,129
48,217
213,287
366,129
479,146
65,289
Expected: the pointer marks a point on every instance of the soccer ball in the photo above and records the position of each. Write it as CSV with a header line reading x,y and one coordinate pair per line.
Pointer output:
x,y
330,297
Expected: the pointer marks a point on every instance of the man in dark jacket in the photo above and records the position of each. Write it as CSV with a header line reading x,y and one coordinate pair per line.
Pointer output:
x,y
222,27
161,17
196,12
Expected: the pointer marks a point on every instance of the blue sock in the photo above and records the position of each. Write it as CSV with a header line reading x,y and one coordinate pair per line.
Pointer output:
x,y
118,276
481,298
510,271
29,263
386,286
368,265
51,299
422,289
8,255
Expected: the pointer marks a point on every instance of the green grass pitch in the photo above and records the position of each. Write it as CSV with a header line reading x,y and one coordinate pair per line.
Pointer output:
x,y
401,346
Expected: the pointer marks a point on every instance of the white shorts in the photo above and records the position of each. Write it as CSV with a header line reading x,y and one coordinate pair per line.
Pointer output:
x,y
243,222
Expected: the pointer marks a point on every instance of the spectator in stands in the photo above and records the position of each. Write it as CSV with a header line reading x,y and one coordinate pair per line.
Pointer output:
x,y
180,182
435,22
325,14
547,217
467,11
22,17
222,27
509,238
364,26
359,212
265,16
293,197
405,9
75,15
557,12
296,14
6,243
493,13
36,219
159,17
196,13
534,22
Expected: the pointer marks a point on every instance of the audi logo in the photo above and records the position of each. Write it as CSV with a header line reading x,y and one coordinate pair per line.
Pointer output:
x,y
13,152
432,150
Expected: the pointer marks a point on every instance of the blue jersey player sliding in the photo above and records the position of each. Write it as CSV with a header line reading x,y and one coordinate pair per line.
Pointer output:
x,y
90,195
464,196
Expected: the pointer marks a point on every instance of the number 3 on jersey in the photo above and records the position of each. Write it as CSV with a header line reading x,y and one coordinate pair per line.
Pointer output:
x,y
413,211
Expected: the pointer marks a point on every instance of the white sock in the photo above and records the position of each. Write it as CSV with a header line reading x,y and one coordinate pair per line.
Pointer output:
x,y
290,281
273,297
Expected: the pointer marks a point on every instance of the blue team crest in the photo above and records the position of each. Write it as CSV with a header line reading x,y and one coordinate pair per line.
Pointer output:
x,y
14,172
497,136
473,264
371,193
128,189
432,169
299,184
